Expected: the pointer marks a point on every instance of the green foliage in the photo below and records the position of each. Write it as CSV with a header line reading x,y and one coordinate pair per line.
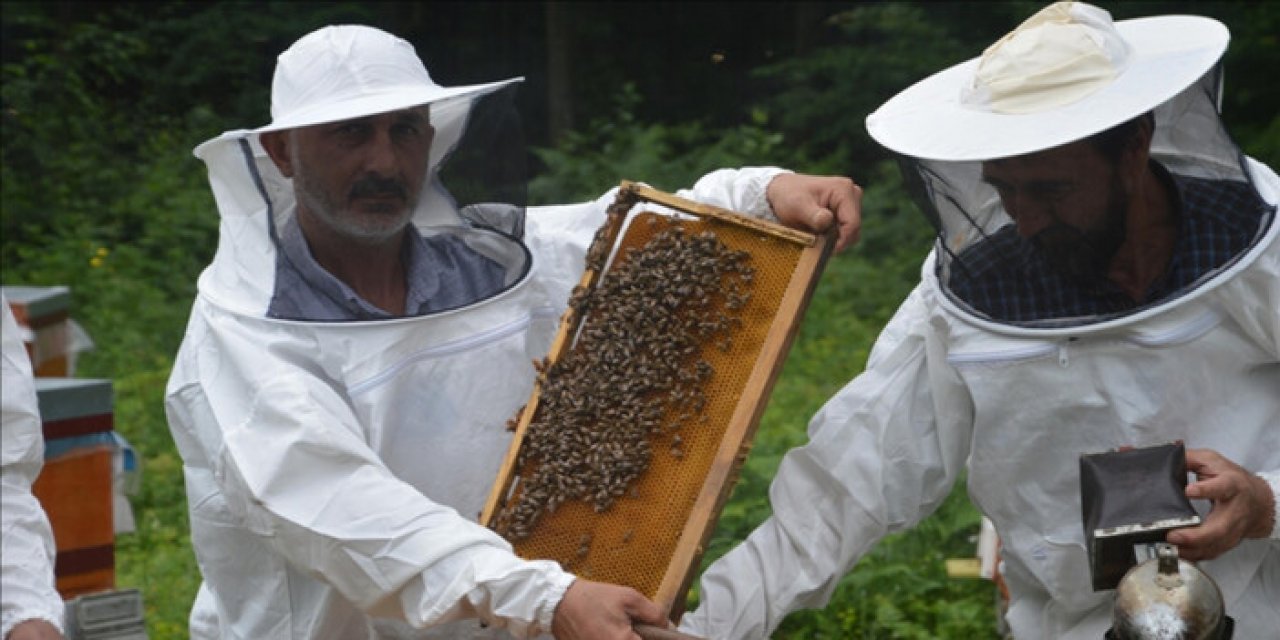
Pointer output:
x,y
844,79
156,558
667,156
821,99
900,588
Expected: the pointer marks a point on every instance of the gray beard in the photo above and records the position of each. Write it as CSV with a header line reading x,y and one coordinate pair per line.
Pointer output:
x,y
358,228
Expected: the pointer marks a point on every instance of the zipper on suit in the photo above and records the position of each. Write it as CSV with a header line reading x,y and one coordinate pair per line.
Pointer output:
x,y
1064,359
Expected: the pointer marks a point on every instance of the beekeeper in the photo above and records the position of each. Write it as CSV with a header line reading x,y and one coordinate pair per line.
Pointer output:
x,y
364,332
30,607
1106,274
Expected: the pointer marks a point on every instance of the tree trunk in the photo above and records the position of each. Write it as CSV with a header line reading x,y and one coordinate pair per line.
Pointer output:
x,y
559,71
808,23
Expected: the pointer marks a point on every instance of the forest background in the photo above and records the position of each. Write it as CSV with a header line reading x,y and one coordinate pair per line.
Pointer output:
x,y
103,102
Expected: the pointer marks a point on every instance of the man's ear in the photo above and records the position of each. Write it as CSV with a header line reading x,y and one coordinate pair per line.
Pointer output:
x,y
276,144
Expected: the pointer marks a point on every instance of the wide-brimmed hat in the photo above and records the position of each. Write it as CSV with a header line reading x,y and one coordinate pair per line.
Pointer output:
x,y
346,71
1065,74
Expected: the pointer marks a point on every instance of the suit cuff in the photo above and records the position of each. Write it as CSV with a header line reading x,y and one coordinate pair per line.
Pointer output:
x,y
555,593
1273,480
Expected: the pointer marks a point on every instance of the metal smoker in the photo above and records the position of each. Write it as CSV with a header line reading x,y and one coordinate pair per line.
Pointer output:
x,y
1167,598
1130,500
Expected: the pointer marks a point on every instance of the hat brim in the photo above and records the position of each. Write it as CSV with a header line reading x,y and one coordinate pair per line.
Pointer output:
x,y
928,120
385,102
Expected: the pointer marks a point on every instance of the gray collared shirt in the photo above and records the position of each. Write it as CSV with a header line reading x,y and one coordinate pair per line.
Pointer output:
x,y
442,273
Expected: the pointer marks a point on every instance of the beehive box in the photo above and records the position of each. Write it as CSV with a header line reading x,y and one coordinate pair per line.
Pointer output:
x,y
75,485
698,403
44,312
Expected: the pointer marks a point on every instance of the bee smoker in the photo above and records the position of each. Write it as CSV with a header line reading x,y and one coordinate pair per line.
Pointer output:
x,y
1130,500
1167,598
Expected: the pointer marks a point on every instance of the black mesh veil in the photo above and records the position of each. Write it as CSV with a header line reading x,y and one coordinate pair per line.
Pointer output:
x,y
485,173
988,271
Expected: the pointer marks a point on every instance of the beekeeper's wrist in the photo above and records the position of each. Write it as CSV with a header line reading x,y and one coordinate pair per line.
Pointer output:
x,y
1273,480
743,190
761,182
558,584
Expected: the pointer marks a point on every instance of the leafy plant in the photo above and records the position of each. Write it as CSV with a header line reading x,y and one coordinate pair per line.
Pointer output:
x,y
667,156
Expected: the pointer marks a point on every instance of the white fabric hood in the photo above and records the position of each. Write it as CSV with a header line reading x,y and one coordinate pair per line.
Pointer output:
x,y
345,72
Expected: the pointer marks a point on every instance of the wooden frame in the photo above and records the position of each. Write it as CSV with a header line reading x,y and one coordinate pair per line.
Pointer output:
x,y
730,453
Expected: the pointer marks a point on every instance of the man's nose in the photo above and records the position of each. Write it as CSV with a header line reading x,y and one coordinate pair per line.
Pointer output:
x,y
380,155
1029,218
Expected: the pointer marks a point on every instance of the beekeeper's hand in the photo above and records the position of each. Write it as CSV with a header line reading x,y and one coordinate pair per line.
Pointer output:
x,y
817,202
1243,507
600,611
34,630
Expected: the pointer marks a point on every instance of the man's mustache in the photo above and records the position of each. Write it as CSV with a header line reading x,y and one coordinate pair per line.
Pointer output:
x,y
1078,254
374,186
1058,234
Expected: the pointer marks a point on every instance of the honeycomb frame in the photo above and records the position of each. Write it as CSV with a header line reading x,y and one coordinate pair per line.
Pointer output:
x,y
652,538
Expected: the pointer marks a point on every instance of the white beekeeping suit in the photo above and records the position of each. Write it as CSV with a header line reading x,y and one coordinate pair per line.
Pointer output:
x,y
335,470
27,549
1015,394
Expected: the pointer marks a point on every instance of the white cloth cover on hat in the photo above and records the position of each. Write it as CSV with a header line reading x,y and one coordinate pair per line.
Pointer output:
x,y
1063,53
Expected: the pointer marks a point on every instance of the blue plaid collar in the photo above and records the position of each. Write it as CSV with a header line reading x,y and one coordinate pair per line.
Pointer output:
x,y
1006,279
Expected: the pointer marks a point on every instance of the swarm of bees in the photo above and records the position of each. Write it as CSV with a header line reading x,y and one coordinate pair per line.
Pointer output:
x,y
635,375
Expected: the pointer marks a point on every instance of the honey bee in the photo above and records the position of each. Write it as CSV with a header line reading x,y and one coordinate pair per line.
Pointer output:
x,y
632,371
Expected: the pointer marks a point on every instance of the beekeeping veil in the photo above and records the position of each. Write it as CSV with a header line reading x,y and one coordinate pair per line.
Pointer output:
x,y
1063,75
475,184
